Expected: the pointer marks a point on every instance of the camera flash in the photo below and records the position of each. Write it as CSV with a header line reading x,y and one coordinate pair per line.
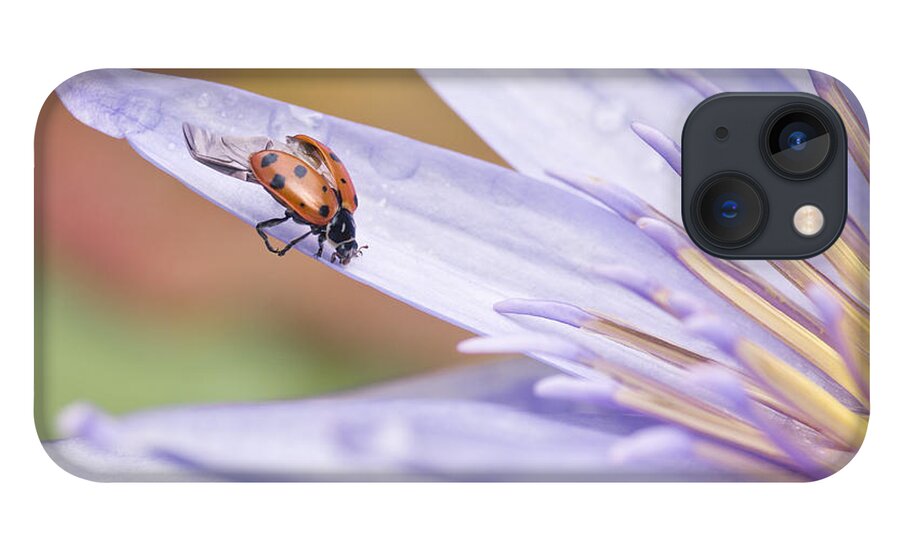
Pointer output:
x,y
808,220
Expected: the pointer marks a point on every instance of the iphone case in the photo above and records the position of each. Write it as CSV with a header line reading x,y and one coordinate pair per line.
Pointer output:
x,y
426,275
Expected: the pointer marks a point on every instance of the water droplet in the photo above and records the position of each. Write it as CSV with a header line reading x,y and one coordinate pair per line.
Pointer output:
x,y
655,164
609,115
137,113
392,158
286,120
308,118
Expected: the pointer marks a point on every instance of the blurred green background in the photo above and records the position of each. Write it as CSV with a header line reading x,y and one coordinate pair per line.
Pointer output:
x,y
149,295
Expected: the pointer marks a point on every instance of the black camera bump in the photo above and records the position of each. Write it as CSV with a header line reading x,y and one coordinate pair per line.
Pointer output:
x,y
750,161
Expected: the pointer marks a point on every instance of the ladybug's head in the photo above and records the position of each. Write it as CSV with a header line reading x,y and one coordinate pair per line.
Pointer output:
x,y
346,251
342,234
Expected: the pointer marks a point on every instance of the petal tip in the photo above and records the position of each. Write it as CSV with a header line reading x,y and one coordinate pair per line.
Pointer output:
x,y
526,343
78,419
714,330
662,233
548,309
655,444
561,387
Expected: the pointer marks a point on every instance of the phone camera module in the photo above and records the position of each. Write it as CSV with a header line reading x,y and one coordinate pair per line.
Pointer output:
x,y
776,188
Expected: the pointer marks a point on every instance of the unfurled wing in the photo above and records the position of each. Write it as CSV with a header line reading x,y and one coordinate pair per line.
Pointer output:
x,y
228,155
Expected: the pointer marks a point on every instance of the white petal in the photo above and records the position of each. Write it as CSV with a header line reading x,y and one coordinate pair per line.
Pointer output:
x,y
478,423
448,234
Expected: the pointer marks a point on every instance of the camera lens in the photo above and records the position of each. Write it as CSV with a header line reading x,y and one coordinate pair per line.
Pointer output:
x,y
730,209
798,142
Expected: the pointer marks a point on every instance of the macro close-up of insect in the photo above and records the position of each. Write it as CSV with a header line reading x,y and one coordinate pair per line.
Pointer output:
x,y
677,311
303,175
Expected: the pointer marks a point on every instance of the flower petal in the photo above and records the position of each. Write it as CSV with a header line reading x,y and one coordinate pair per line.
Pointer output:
x,y
846,103
578,121
82,457
448,234
397,433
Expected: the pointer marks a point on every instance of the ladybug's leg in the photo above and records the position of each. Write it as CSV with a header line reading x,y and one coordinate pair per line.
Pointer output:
x,y
321,245
270,223
288,246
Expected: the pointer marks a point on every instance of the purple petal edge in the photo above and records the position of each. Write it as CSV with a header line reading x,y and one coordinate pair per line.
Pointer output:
x,y
664,145
556,311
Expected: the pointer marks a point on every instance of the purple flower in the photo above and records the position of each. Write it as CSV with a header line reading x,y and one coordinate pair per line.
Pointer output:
x,y
477,423
724,370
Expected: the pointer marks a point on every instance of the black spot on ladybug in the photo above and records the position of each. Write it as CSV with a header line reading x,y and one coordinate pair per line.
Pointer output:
x,y
299,171
268,160
343,180
278,181
355,200
334,157
323,211
324,189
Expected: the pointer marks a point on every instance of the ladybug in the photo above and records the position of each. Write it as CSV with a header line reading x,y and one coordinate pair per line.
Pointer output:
x,y
306,177
326,157
309,198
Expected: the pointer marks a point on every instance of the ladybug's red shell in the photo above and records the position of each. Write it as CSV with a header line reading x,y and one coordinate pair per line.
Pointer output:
x,y
295,185
336,167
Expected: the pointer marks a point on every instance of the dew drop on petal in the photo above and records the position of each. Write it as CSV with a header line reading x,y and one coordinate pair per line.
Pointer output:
x,y
285,121
609,115
393,160
393,438
312,121
655,164
137,113
388,437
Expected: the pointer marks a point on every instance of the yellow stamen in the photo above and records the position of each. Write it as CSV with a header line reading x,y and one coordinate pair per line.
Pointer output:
x,y
694,418
857,135
851,268
858,350
828,415
641,341
662,298
660,400
792,333
804,276
856,240
744,464
679,357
